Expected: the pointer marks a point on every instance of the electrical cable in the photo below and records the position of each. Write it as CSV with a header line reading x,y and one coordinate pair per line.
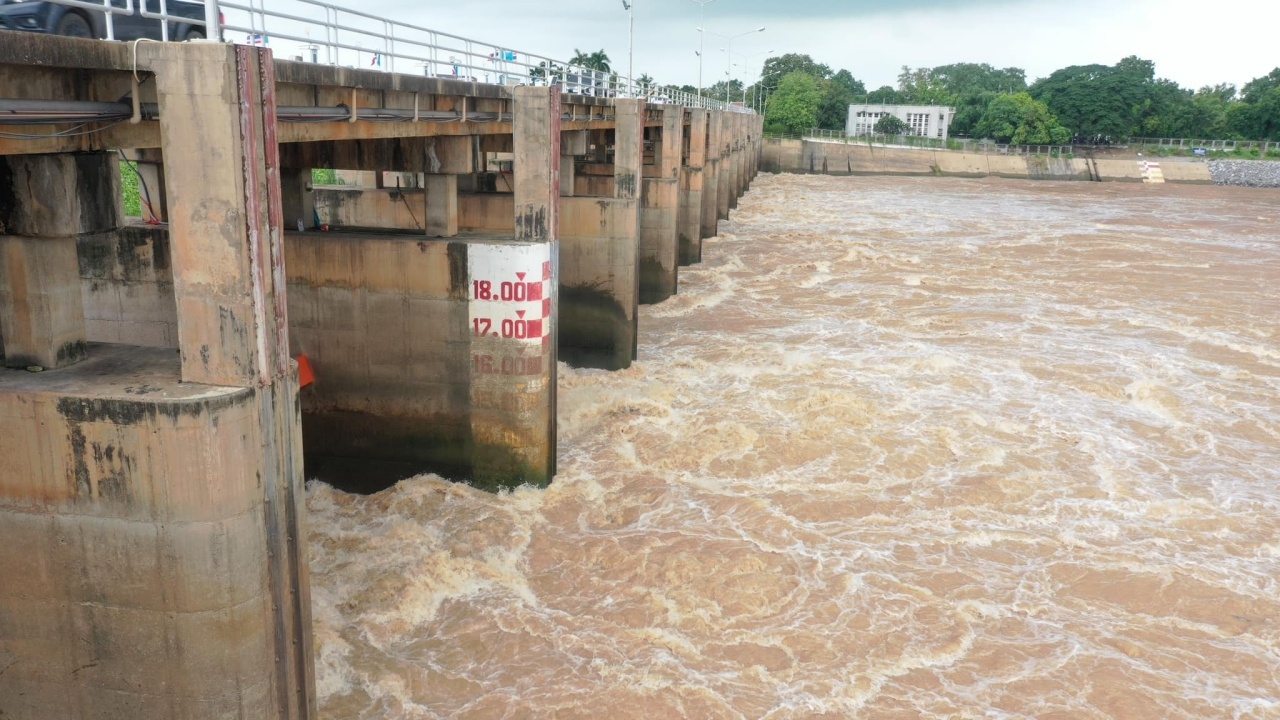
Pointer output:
x,y
61,134
405,200
146,192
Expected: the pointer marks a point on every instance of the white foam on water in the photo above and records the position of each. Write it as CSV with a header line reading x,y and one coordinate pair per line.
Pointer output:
x,y
900,448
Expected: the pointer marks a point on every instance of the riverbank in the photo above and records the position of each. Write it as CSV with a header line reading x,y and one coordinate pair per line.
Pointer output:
x,y
836,158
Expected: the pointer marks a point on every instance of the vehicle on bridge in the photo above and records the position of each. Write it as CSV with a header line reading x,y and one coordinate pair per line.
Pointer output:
x,y
73,21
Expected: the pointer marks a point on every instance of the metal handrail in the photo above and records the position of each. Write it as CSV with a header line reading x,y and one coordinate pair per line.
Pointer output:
x,y
106,8
165,17
930,143
394,41
1215,145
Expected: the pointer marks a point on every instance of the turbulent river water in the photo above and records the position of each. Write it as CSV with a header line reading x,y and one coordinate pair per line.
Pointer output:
x,y
901,448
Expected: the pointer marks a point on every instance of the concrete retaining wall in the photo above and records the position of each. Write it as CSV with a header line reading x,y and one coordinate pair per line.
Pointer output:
x,y
804,156
371,207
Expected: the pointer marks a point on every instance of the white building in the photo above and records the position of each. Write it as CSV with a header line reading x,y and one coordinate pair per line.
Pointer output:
x,y
932,121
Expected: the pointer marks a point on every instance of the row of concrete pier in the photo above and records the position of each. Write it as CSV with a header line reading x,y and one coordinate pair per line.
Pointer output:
x,y
154,439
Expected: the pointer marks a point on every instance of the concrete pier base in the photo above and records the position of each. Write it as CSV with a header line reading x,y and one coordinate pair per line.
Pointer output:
x,y
156,497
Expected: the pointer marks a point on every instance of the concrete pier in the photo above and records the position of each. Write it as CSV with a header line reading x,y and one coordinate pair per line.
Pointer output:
x,y
156,496
599,257
711,175
691,184
660,209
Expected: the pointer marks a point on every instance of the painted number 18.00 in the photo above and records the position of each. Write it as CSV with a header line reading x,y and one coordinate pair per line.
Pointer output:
x,y
507,291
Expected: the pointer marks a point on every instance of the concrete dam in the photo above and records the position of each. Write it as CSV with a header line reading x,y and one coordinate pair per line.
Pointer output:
x,y
894,434
153,431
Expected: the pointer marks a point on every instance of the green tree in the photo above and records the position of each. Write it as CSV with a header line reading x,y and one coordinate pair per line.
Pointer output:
x,y
1100,101
794,107
1258,120
1254,91
884,96
548,71
1210,106
891,125
919,87
597,60
784,65
973,86
838,93
717,91
963,79
1257,115
1020,119
645,79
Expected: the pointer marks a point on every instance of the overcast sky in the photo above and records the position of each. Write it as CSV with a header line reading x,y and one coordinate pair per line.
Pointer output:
x,y
1193,42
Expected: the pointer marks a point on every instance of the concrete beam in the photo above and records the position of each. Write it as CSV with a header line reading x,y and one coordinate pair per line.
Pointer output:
x,y
449,155
574,142
441,206
568,175
298,199
59,195
41,311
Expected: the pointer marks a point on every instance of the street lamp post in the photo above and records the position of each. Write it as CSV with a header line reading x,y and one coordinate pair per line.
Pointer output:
x,y
631,41
702,18
729,70
745,58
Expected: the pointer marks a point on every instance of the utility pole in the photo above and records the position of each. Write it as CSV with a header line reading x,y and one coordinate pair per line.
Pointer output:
x,y
702,34
631,42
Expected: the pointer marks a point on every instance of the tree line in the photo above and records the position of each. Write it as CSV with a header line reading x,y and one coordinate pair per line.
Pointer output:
x,y
1082,103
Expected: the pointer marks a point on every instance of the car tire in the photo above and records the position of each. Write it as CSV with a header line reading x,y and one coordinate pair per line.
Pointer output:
x,y
74,25
194,34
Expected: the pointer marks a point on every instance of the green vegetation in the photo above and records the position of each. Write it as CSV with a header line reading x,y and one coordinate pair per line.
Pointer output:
x,y
794,107
597,60
1021,120
325,177
1083,103
890,125
130,188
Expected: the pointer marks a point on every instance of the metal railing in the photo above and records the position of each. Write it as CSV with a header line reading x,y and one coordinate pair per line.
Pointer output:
x,y
984,147
112,8
352,38
1191,144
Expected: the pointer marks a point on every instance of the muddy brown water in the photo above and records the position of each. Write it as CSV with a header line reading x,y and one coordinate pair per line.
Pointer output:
x,y
901,448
